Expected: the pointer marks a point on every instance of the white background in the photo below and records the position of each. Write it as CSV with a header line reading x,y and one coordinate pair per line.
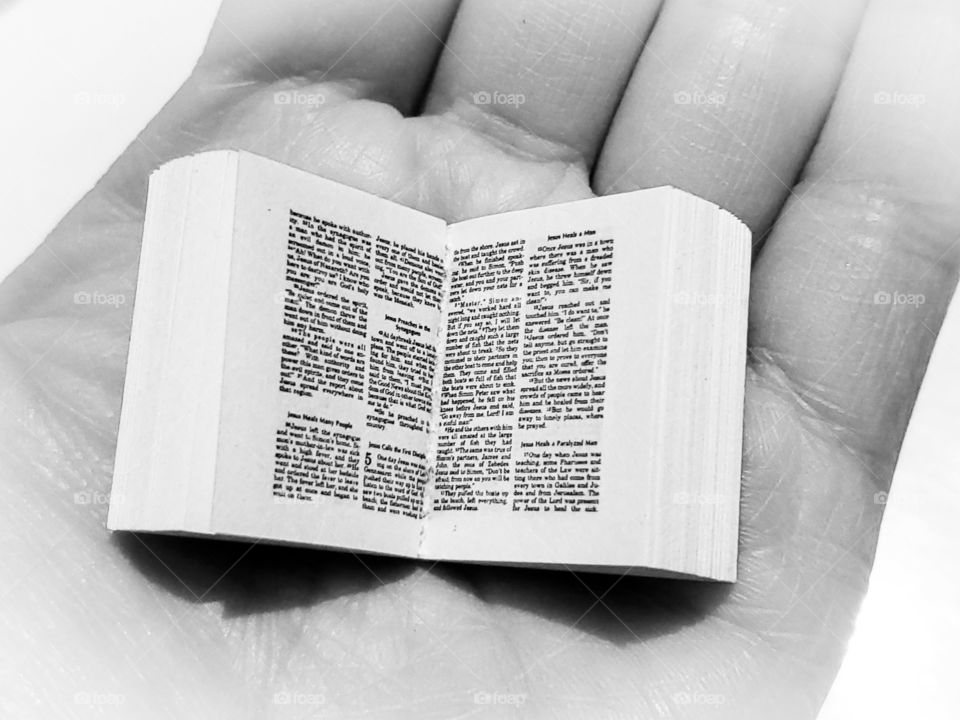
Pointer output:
x,y
130,57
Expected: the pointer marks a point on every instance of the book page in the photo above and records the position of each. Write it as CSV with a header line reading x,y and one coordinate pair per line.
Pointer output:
x,y
332,328
545,434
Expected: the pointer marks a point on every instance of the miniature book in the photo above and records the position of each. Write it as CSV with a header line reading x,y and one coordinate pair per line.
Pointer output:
x,y
557,387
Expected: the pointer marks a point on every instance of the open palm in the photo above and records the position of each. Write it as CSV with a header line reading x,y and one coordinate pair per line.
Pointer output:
x,y
833,135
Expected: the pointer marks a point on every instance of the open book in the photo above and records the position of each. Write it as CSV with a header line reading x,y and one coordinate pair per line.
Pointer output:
x,y
558,387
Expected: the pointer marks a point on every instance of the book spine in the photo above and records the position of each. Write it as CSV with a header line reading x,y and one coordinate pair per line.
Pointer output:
x,y
434,431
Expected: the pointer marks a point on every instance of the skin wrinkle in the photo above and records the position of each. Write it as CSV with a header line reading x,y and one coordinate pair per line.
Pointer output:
x,y
859,211
746,36
884,210
408,135
509,135
770,370
751,543
565,29
76,559
534,65
555,181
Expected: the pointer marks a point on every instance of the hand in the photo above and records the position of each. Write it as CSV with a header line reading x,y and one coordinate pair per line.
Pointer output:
x,y
728,100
